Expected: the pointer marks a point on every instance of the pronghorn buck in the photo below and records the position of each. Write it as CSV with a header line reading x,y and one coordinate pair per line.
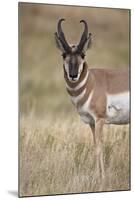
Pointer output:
x,y
101,96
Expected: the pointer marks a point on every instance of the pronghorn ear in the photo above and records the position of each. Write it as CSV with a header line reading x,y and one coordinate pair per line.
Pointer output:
x,y
88,43
59,43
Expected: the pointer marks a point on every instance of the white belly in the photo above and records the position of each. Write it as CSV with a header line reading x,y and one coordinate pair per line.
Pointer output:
x,y
118,108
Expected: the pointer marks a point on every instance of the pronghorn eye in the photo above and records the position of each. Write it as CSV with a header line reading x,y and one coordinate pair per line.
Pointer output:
x,y
64,55
83,55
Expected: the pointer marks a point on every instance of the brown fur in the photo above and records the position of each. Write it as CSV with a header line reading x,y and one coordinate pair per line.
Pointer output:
x,y
101,82
74,93
89,87
115,81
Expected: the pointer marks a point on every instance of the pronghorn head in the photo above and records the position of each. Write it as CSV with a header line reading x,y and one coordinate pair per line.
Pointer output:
x,y
73,55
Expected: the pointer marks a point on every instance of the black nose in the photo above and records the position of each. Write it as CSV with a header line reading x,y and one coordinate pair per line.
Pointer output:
x,y
73,76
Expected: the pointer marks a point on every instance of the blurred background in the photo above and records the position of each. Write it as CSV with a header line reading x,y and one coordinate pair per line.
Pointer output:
x,y
42,85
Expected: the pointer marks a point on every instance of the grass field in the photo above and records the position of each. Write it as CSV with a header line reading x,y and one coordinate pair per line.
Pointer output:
x,y
58,157
56,147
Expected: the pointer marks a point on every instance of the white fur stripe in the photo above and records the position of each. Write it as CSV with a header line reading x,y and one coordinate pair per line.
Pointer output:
x,y
85,110
80,84
77,98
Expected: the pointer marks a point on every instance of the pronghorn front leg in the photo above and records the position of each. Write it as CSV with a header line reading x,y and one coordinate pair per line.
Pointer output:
x,y
98,147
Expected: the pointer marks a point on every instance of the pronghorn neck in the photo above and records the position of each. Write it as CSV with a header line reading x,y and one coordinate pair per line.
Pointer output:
x,y
80,90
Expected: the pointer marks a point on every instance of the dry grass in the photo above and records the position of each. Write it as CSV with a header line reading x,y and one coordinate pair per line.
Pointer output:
x,y
58,157
56,148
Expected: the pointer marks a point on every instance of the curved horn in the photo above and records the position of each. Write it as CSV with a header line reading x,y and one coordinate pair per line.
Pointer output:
x,y
84,35
62,36
59,26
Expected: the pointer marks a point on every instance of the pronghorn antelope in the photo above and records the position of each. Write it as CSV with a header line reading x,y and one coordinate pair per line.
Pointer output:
x,y
101,96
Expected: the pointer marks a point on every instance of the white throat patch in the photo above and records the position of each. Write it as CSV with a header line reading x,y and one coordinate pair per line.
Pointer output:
x,y
80,84
76,99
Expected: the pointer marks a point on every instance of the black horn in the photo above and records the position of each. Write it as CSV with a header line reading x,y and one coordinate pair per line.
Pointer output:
x,y
59,27
84,36
61,36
